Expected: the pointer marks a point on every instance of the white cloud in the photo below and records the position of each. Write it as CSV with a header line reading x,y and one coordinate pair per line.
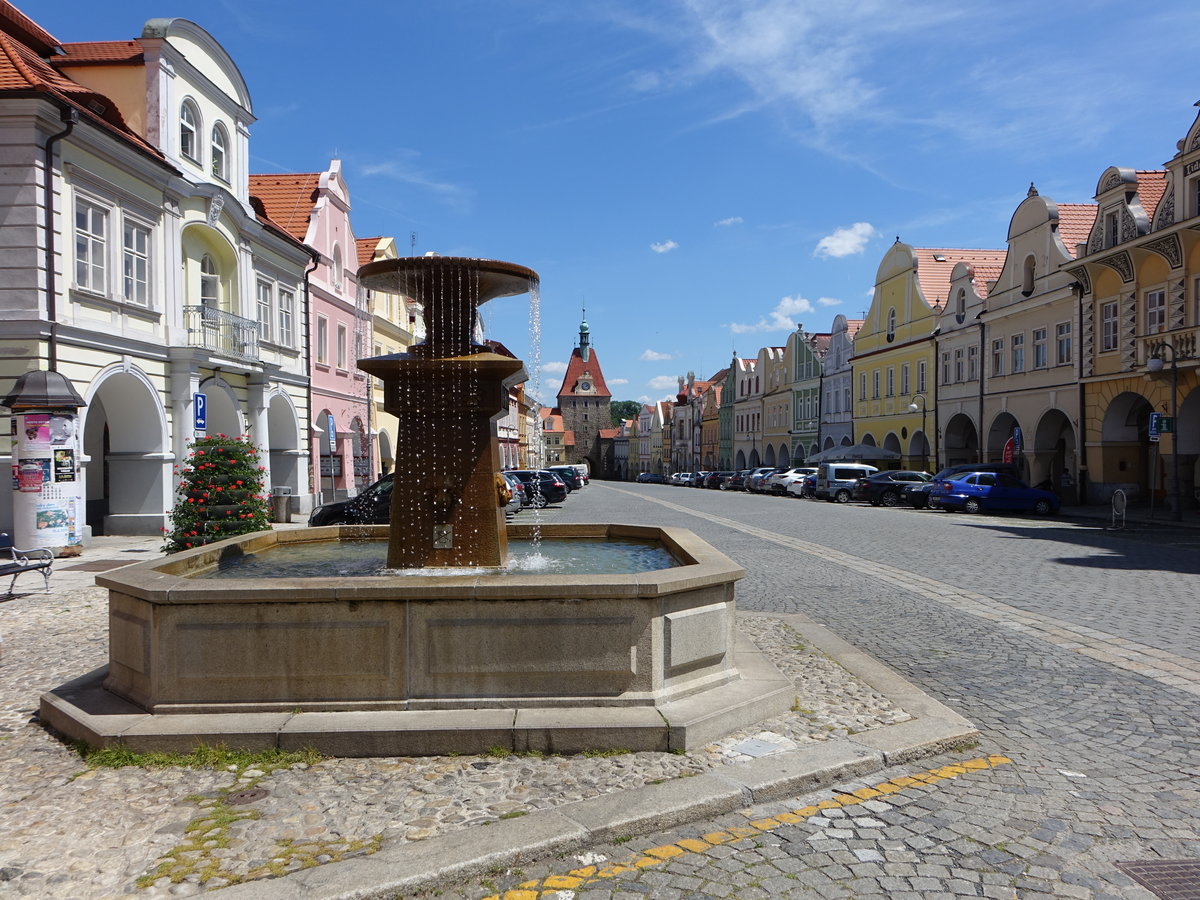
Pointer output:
x,y
828,301
846,241
554,368
781,318
649,355
645,398
663,382
664,247
732,220
617,380
403,168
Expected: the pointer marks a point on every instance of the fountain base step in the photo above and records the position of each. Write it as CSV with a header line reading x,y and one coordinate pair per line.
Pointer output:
x,y
83,710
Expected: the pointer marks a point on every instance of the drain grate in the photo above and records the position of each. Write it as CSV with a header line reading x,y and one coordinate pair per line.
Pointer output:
x,y
1171,879
249,795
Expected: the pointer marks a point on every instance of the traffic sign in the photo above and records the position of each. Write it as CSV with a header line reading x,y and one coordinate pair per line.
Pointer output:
x,y
1156,426
1166,425
199,412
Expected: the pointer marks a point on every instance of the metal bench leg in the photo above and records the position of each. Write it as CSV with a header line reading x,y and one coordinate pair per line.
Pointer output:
x,y
46,577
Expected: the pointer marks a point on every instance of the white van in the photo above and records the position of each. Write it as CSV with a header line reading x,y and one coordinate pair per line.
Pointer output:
x,y
835,481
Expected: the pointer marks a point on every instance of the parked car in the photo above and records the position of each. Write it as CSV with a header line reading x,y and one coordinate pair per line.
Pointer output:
x,y
518,501
887,488
756,476
736,481
570,476
542,487
372,506
716,480
805,487
975,492
650,478
917,495
960,468
777,482
835,481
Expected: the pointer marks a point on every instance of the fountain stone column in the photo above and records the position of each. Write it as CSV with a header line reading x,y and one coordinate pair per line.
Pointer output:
x,y
448,392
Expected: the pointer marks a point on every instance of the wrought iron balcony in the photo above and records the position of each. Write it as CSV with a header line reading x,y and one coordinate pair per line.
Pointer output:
x,y
221,332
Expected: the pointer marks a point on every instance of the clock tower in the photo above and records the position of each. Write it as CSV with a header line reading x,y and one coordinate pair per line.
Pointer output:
x,y
584,401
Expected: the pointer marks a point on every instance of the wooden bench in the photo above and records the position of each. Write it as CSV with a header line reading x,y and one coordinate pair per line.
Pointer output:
x,y
16,562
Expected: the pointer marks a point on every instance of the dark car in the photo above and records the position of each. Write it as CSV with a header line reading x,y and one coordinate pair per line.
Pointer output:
x,y
519,500
715,479
975,492
917,495
373,506
736,481
541,486
754,481
651,478
569,476
886,488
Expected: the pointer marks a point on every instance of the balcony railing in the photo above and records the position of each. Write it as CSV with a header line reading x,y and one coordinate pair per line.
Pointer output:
x,y
1182,340
221,332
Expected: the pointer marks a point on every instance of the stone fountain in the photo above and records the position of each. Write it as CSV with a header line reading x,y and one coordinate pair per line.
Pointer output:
x,y
403,663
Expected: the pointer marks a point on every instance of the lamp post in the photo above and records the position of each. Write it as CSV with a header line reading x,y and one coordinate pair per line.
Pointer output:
x,y
1154,365
912,407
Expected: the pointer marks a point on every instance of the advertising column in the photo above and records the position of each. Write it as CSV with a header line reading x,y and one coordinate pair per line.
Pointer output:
x,y
47,493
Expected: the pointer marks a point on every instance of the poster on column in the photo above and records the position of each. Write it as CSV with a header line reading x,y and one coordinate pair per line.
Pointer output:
x,y
34,432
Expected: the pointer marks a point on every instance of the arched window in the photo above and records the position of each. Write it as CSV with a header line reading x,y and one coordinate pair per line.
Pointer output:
x,y
891,324
188,117
220,152
960,306
1027,274
337,266
210,283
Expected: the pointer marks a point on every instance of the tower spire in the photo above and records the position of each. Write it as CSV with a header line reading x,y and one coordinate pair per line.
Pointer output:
x,y
584,338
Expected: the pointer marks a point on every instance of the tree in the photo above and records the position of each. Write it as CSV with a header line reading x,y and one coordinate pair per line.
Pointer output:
x,y
624,409
220,494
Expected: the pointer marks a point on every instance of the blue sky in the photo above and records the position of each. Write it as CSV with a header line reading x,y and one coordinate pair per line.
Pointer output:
x,y
701,174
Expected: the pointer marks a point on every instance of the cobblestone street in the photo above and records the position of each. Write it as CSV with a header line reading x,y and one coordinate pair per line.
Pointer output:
x,y
1073,649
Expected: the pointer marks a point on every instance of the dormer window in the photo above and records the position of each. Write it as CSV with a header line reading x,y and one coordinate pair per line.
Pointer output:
x,y
891,324
220,152
1112,229
960,307
188,117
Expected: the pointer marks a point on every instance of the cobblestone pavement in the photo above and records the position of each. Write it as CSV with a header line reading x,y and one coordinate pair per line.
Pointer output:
x,y
1073,649
70,832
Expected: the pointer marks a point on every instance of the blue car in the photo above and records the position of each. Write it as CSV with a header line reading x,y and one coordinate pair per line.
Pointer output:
x,y
987,491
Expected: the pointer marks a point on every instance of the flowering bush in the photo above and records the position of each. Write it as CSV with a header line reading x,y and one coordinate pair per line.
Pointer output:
x,y
220,494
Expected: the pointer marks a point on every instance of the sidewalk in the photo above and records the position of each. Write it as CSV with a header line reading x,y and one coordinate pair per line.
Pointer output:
x,y
1135,516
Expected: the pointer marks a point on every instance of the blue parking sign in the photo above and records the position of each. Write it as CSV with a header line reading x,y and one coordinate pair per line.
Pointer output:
x,y
200,412
1155,426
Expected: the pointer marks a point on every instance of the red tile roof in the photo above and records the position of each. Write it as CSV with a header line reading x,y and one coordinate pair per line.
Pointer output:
x,y
820,342
287,199
568,438
1151,186
25,30
576,368
366,249
609,432
934,265
22,69
101,53
852,326
1075,222
984,277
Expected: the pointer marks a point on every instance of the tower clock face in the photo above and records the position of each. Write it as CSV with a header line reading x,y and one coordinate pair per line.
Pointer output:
x,y
585,385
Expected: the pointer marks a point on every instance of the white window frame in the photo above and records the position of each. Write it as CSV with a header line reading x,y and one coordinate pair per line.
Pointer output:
x,y
211,300
1109,326
922,376
890,381
1155,302
1041,350
958,364
875,385
341,346
1062,344
92,246
905,380
1017,346
189,124
322,343
136,261
891,324
287,317
219,152
264,302
972,363
997,357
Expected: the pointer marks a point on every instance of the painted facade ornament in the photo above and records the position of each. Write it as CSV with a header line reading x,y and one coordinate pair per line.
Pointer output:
x,y
1178,304
1166,210
1113,180
1121,263
214,208
1081,274
1129,331
1169,248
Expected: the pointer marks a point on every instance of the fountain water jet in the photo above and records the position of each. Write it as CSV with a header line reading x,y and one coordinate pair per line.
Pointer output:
x,y
402,665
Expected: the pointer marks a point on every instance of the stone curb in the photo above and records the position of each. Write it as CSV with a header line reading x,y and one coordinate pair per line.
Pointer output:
x,y
574,826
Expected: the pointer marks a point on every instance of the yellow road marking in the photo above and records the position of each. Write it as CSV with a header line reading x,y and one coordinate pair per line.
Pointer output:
x,y
577,878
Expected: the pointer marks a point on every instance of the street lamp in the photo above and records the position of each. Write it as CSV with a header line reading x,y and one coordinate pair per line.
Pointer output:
x,y
912,407
1154,365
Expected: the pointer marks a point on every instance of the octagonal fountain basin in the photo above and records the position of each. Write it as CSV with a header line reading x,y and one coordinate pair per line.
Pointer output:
x,y
401,664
